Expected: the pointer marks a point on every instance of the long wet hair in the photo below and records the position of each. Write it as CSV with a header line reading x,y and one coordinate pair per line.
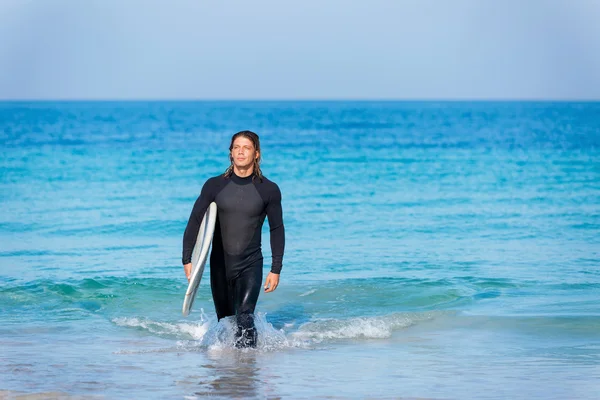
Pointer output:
x,y
253,137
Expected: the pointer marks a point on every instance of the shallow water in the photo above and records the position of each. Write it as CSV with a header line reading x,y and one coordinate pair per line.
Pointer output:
x,y
434,250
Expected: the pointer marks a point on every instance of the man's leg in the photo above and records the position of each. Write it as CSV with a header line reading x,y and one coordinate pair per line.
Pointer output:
x,y
246,290
222,292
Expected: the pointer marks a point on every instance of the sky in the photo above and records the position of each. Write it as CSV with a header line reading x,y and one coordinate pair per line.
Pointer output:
x,y
307,49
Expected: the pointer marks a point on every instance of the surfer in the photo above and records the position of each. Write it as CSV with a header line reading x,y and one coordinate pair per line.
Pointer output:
x,y
244,198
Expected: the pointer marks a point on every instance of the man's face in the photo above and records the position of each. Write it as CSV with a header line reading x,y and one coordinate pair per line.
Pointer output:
x,y
243,152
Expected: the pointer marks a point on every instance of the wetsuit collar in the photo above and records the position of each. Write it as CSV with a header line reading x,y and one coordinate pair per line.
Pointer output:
x,y
241,181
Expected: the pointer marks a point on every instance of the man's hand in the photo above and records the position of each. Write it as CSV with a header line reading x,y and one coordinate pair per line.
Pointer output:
x,y
271,282
187,268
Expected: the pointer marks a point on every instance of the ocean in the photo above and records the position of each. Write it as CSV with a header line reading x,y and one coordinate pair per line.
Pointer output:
x,y
438,250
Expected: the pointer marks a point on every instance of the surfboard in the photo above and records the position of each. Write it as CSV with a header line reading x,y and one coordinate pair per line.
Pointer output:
x,y
200,255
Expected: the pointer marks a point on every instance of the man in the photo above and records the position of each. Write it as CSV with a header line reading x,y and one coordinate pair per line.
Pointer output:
x,y
244,197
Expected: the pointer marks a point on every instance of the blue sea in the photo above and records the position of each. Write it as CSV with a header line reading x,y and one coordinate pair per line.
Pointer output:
x,y
437,250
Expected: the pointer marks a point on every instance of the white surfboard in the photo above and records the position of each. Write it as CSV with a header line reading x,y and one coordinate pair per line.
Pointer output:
x,y
200,255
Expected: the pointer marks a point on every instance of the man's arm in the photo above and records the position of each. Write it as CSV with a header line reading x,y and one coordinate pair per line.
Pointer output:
x,y
275,216
195,220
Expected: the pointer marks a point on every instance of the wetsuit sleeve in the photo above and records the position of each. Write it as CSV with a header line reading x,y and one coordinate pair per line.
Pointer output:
x,y
193,226
275,216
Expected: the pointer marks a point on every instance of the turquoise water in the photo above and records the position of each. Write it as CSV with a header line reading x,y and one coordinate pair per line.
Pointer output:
x,y
434,250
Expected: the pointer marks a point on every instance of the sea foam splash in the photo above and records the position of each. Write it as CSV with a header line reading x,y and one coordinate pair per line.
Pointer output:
x,y
179,330
218,336
378,327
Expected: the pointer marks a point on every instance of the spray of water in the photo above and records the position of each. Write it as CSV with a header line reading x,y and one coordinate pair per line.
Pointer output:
x,y
221,336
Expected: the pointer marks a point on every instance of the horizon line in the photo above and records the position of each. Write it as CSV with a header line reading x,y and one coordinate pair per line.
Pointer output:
x,y
299,100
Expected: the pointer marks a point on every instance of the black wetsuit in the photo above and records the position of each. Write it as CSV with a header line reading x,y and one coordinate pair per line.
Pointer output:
x,y
236,260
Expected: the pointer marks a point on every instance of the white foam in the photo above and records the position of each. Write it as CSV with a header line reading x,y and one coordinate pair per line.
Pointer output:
x,y
360,327
220,336
215,336
181,329
307,293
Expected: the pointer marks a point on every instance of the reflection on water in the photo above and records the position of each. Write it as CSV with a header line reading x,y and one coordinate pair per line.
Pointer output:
x,y
232,374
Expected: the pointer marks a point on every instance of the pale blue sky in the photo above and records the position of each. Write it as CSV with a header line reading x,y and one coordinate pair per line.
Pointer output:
x,y
309,49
